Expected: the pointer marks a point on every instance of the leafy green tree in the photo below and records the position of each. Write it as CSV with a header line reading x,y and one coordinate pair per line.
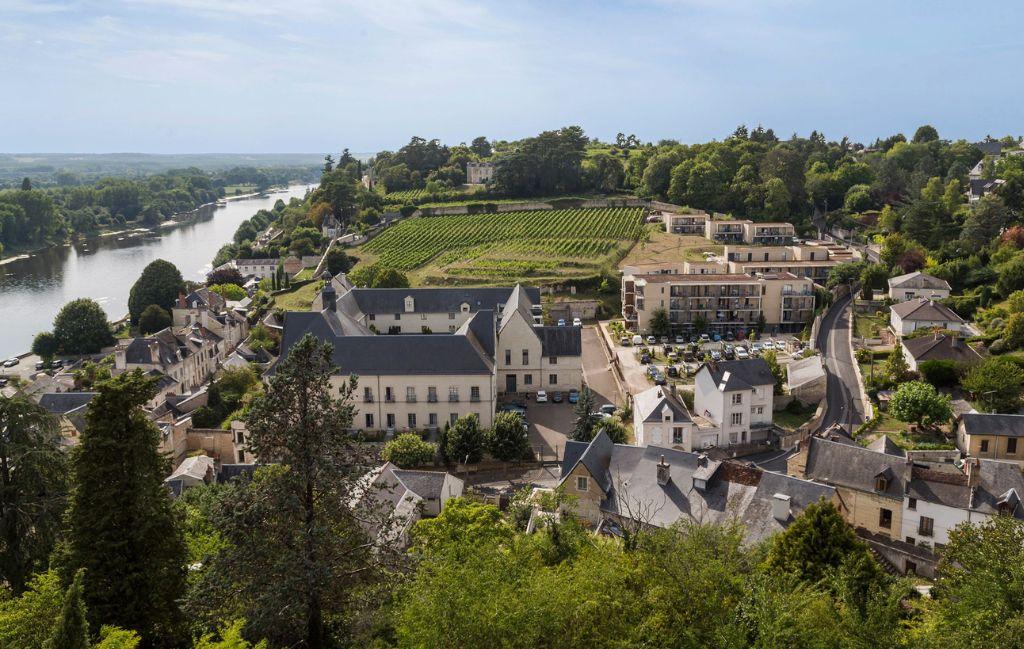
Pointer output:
x,y
26,621
614,429
583,428
507,440
873,276
462,523
778,373
408,450
153,318
230,637
338,261
926,133
297,523
160,284
377,277
1013,332
844,274
119,526
858,199
72,630
920,403
465,440
1011,275
816,542
776,199
232,292
894,246
996,384
89,374
33,489
112,637
896,367
45,345
659,322
986,221
81,327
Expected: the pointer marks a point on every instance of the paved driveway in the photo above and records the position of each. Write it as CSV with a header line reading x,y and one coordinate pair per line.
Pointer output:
x,y
597,372
550,424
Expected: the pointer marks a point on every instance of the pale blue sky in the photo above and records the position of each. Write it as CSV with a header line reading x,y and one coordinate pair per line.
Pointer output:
x,y
317,75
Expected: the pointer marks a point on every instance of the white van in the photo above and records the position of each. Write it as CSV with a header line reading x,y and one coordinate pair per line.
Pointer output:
x,y
638,339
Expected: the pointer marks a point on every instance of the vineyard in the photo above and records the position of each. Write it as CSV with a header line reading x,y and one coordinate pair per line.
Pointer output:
x,y
482,247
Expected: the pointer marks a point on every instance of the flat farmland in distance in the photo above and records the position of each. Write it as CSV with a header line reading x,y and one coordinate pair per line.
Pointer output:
x,y
531,245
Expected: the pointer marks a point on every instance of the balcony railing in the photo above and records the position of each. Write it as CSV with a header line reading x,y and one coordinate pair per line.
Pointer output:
x,y
432,398
453,398
410,399
389,399
367,399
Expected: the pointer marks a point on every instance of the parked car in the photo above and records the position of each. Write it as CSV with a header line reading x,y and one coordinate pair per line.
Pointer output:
x,y
756,348
11,362
576,322
3,383
651,340
561,322
574,396
667,349
779,345
645,358
728,353
659,378
716,356
704,338
513,407
673,356
664,340
40,365
638,339
557,397
680,340
729,336
716,337
688,356
542,396
624,341
608,409
742,353
672,371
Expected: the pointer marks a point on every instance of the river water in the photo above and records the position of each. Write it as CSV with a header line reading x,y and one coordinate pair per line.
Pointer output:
x,y
33,290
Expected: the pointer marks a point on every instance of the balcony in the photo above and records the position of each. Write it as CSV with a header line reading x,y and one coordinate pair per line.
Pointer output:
x,y
410,399
389,399
453,398
432,398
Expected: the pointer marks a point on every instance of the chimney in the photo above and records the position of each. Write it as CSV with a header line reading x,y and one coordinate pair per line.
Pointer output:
x,y
154,352
329,297
973,467
663,472
702,460
780,507
672,389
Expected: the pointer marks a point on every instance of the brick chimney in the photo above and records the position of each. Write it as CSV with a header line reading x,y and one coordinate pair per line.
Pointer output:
x,y
664,475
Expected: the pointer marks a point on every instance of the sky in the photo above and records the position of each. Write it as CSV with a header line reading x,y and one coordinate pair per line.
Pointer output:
x,y
289,76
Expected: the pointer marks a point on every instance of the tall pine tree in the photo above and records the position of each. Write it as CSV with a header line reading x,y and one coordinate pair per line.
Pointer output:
x,y
72,630
120,527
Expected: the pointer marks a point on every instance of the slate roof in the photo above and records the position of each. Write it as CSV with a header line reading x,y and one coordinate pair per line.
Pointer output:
x,y
481,327
978,423
745,498
999,482
61,403
918,279
804,371
925,309
992,147
435,300
426,484
650,403
740,374
229,472
846,465
940,347
560,341
885,445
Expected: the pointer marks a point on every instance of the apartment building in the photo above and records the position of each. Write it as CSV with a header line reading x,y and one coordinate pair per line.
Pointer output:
x,y
722,302
746,231
420,381
692,224
812,261
723,231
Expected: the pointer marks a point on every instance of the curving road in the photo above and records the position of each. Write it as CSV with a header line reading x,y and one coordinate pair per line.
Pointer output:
x,y
843,396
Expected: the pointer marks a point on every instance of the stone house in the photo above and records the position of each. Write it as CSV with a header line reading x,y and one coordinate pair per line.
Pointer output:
x,y
392,500
917,285
923,313
737,398
937,347
479,173
991,436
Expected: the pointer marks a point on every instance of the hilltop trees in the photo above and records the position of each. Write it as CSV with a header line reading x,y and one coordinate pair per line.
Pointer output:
x,y
119,524
154,318
80,327
159,284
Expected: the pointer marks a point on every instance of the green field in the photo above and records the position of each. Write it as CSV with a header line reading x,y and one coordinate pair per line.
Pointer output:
x,y
503,247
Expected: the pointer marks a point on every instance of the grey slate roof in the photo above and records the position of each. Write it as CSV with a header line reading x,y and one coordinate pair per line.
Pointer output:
x,y
481,327
650,403
925,309
918,279
435,300
740,374
855,467
426,484
978,423
560,341
940,347
992,147
885,445
61,403
229,472
999,482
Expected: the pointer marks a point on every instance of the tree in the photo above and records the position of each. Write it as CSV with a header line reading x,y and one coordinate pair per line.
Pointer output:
x,y
583,428
26,621
896,367
153,319
817,541
996,384
659,322
614,429
776,199
297,523
375,276
481,147
778,373
225,276
1011,275
1013,332
873,276
119,525
33,489
984,223
81,327
45,345
844,274
507,440
72,630
337,261
408,450
858,199
160,284
926,133
920,403
465,440
230,635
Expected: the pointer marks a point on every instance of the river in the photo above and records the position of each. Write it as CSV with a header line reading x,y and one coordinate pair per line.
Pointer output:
x,y
33,290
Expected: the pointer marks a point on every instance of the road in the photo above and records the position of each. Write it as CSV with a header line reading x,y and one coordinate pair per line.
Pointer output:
x,y
843,400
596,370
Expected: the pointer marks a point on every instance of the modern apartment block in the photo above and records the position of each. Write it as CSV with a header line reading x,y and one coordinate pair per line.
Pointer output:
x,y
736,231
813,260
725,302
694,224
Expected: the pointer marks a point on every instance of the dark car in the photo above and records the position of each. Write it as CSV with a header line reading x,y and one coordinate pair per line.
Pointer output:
x,y
667,349
645,358
557,397
672,371
728,353
729,336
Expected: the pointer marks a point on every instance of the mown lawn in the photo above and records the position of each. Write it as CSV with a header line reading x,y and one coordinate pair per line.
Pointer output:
x,y
665,247
794,416
870,326
906,436
299,299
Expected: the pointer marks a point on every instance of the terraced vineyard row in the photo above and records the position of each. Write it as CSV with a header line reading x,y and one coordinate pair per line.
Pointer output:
x,y
570,233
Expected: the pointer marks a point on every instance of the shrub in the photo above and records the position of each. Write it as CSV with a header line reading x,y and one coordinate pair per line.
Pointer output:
x,y
938,373
408,450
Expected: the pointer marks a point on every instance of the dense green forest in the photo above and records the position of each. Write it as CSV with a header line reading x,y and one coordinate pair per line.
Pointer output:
x,y
31,217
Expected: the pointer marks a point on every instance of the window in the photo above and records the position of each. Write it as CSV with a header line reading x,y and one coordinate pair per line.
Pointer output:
x,y
474,393
885,518
552,379
677,435
241,457
1011,446
451,316
527,379
423,316
389,396
984,446
391,420
452,418
453,393
553,360
432,419
368,395
451,329
412,420
737,418
881,483
526,357
581,483
926,527
757,410
372,317
912,503
737,399
432,394
410,394
508,357
911,540
398,316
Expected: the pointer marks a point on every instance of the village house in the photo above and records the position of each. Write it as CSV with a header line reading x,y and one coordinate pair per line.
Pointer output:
x,y
990,436
924,313
660,418
208,310
261,268
806,380
917,285
737,398
331,227
479,173
70,409
188,357
937,347
393,499
620,485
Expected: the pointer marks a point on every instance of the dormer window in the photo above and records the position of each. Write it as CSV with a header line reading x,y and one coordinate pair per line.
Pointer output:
x,y
881,483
